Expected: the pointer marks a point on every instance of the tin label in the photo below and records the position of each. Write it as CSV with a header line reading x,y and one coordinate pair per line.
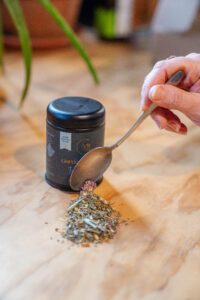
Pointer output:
x,y
65,149
66,140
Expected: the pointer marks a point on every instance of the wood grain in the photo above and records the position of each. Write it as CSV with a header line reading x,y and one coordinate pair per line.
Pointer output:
x,y
154,180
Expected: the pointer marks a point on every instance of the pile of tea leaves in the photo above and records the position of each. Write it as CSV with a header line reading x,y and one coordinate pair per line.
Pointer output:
x,y
89,218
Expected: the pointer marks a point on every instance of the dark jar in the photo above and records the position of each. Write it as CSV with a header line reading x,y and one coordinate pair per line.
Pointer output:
x,y
74,126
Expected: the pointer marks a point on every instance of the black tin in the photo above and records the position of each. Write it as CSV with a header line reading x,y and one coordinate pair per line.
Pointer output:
x,y
74,126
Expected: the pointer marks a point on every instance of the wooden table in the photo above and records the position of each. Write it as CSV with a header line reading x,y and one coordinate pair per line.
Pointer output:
x,y
154,180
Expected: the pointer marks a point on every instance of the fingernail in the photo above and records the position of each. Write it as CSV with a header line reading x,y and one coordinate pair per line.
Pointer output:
x,y
169,129
174,126
141,106
152,92
158,123
183,132
183,129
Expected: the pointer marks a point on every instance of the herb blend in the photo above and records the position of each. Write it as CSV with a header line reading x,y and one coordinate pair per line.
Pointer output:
x,y
90,219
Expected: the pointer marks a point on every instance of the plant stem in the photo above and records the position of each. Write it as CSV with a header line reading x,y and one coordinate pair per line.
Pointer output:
x,y
51,9
17,16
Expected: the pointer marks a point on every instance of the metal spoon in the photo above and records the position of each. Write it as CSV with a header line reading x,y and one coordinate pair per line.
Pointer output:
x,y
95,162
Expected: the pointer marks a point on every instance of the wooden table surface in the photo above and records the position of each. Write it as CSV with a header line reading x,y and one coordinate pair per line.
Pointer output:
x,y
154,180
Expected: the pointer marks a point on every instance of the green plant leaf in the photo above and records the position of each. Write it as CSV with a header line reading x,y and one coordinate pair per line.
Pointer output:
x,y
52,10
1,42
20,24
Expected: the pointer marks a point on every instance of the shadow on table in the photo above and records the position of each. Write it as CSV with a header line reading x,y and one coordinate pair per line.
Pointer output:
x,y
110,193
184,153
180,158
32,157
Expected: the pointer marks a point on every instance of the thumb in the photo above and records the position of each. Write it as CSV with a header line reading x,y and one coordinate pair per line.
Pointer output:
x,y
171,97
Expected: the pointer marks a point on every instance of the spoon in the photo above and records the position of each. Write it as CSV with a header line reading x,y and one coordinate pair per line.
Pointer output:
x,y
95,162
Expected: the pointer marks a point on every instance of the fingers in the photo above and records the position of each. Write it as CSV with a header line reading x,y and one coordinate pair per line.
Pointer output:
x,y
171,97
195,88
163,70
182,130
194,69
165,119
159,115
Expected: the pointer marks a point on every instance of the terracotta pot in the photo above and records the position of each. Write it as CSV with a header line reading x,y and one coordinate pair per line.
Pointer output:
x,y
44,32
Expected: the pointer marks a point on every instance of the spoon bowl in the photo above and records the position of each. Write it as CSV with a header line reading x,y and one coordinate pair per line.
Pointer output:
x,y
91,166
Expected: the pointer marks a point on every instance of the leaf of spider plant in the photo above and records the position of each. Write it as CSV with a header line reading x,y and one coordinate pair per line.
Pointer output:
x,y
52,10
1,43
17,16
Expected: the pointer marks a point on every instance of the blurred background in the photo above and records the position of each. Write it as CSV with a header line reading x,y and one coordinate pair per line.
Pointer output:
x,y
124,35
162,26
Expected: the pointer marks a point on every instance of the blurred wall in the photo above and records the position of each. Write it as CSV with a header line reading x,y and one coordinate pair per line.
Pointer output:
x,y
175,28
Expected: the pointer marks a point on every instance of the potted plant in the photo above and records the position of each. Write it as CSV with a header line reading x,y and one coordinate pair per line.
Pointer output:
x,y
16,13
44,34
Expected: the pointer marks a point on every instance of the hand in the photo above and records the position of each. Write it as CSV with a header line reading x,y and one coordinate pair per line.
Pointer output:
x,y
184,98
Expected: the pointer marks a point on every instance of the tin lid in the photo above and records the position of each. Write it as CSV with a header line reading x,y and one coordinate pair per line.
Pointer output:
x,y
76,112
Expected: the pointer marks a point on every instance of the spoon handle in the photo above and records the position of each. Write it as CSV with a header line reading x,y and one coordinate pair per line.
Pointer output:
x,y
174,80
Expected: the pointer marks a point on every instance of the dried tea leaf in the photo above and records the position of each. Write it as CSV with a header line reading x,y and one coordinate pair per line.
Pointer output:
x,y
89,218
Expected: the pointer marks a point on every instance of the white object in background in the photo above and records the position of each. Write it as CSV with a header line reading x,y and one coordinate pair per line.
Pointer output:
x,y
174,15
123,18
